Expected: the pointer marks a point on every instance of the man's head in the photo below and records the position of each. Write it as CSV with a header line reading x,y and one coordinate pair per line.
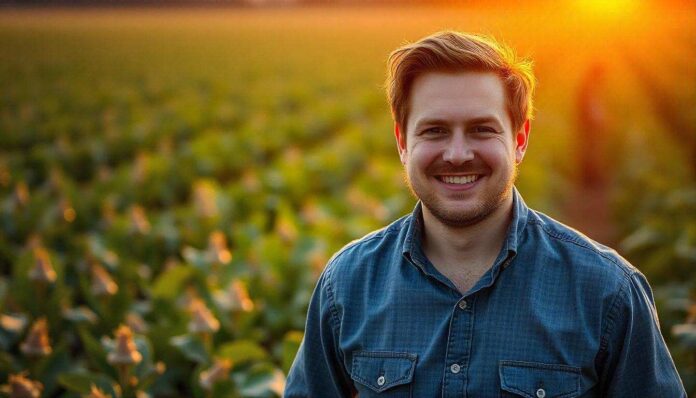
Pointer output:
x,y
464,104
460,52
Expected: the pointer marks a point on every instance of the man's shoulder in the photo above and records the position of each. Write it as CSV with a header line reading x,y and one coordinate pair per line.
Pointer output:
x,y
389,235
578,250
359,254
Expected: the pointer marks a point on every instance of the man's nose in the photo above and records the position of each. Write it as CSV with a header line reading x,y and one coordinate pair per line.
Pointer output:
x,y
458,149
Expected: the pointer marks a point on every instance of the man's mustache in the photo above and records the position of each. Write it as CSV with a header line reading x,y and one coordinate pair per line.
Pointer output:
x,y
466,168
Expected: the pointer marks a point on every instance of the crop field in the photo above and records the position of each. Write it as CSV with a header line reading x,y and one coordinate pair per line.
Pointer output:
x,y
173,181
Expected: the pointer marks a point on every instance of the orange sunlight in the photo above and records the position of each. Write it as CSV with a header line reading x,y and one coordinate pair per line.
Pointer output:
x,y
607,9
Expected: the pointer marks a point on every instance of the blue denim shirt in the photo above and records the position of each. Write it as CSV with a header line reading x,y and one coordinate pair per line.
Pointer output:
x,y
557,315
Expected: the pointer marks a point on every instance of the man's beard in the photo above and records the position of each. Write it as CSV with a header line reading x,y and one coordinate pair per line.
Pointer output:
x,y
487,202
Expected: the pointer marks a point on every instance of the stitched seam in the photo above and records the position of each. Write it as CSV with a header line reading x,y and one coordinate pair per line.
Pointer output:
x,y
385,354
381,388
520,392
609,327
566,238
332,304
335,324
471,343
540,366
396,355
395,228
611,317
450,346
507,387
571,394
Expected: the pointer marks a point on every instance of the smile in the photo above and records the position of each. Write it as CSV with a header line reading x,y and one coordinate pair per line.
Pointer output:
x,y
460,180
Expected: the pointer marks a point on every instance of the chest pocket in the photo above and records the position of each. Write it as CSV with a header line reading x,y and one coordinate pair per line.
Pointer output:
x,y
538,380
383,374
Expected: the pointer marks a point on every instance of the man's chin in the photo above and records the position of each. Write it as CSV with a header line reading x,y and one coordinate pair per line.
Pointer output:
x,y
459,217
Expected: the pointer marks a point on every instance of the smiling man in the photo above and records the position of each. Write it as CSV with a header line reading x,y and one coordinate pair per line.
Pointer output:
x,y
474,294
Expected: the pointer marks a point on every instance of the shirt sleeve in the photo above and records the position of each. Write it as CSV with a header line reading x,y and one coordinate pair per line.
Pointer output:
x,y
637,362
318,370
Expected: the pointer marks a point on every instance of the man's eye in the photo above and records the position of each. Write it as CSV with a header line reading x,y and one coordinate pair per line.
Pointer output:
x,y
485,130
435,131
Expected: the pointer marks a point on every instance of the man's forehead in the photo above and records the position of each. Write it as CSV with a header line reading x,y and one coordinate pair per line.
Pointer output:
x,y
482,117
458,95
446,85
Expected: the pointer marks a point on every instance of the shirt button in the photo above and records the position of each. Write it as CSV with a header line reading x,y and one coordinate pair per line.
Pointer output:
x,y
455,368
462,304
540,393
381,380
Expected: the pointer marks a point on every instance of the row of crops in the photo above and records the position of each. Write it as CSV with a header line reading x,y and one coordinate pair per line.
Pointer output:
x,y
161,235
173,182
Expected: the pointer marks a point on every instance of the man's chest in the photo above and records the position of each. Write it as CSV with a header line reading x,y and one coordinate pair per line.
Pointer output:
x,y
427,342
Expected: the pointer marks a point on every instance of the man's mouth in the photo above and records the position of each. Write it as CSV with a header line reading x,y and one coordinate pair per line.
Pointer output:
x,y
459,180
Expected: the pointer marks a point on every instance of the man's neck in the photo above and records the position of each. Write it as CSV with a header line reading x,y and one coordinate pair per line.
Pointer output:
x,y
474,246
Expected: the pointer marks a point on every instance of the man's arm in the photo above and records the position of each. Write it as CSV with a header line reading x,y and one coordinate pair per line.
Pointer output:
x,y
637,362
318,369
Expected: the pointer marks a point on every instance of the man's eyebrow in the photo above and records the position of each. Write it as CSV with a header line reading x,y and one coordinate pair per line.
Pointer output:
x,y
428,121
475,120
484,119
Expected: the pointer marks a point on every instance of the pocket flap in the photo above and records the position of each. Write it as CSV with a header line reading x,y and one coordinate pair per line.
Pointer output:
x,y
383,370
539,380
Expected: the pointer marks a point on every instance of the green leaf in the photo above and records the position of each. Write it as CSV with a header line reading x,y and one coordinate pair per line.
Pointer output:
x,y
95,350
224,389
263,381
81,314
11,328
191,346
8,364
642,238
168,284
291,343
686,333
3,291
196,258
242,351
144,347
81,381
53,365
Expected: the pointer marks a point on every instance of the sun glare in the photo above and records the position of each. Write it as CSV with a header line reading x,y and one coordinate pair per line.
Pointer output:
x,y
606,8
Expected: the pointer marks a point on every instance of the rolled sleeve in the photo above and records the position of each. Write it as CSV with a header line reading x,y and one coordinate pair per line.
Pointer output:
x,y
318,370
638,363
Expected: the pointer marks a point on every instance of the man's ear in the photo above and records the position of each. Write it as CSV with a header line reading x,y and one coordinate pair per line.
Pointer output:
x,y
400,136
521,141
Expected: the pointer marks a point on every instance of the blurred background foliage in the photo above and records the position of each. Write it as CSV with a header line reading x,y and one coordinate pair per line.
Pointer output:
x,y
172,181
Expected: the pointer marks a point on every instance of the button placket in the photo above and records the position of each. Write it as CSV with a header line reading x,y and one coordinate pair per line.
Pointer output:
x,y
458,347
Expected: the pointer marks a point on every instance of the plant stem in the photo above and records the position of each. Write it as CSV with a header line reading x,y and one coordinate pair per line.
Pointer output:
x,y
123,380
207,343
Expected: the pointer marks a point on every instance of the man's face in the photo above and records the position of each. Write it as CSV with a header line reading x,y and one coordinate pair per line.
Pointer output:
x,y
458,147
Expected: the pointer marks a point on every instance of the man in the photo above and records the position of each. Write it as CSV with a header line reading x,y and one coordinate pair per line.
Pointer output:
x,y
474,294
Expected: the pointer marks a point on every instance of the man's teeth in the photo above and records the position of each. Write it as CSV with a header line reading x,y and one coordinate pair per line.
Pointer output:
x,y
460,179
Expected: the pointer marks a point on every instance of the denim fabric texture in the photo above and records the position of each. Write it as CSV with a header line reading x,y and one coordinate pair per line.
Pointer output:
x,y
557,316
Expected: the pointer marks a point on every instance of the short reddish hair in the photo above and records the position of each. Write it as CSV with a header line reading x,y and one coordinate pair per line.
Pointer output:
x,y
455,51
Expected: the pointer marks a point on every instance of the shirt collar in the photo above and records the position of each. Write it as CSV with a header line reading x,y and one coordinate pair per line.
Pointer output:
x,y
413,251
